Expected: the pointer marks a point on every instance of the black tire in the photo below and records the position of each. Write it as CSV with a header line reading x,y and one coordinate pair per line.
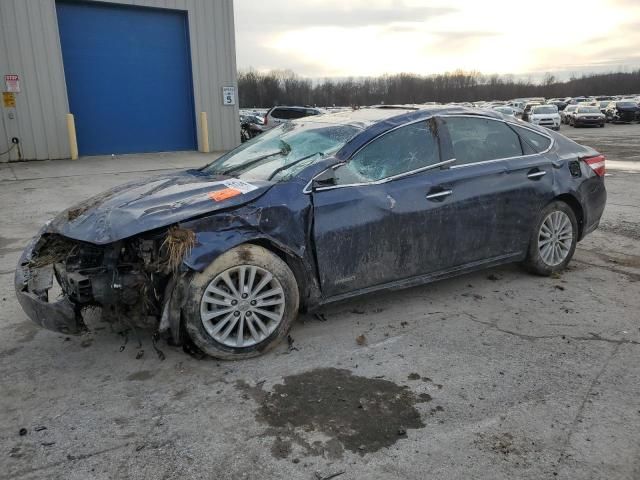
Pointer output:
x,y
534,262
249,255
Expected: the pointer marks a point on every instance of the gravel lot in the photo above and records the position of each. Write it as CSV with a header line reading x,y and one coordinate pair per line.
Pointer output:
x,y
494,375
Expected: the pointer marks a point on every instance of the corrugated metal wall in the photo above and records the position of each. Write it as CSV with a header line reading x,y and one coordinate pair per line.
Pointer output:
x,y
30,47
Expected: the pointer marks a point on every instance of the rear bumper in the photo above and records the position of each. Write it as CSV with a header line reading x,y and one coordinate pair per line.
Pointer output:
x,y
584,121
32,286
593,199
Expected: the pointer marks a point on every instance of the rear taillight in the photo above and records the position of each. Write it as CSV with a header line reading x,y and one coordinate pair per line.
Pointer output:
x,y
596,163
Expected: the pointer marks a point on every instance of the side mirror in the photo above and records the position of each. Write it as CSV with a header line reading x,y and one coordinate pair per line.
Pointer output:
x,y
325,179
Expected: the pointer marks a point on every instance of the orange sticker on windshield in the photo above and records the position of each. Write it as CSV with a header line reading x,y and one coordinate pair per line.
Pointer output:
x,y
220,195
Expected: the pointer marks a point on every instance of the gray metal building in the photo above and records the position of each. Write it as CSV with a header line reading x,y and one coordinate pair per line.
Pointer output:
x,y
136,75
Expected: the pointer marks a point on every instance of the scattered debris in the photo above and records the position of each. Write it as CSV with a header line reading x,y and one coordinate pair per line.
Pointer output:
x,y
290,347
559,287
361,339
23,432
320,316
47,444
154,341
329,477
40,428
16,452
192,349
140,354
125,334
493,277
473,295
413,376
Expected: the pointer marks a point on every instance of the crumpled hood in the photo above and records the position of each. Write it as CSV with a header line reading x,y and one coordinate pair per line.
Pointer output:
x,y
148,204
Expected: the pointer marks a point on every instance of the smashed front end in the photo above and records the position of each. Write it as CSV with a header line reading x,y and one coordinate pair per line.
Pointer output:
x,y
130,280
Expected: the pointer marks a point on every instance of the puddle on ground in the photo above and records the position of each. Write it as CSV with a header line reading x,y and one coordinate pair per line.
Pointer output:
x,y
355,413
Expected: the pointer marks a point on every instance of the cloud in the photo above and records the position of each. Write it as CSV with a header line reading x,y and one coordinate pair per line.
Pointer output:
x,y
279,15
320,38
455,42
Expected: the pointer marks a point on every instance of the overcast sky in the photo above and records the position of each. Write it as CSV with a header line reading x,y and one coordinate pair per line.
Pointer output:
x,y
338,38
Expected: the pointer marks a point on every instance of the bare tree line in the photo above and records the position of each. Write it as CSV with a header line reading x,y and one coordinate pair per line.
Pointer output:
x,y
258,89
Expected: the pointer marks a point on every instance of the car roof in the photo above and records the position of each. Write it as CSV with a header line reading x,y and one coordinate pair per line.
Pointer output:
x,y
393,115
289,107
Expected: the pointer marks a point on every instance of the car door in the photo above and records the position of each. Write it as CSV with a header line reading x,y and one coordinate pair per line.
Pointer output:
x,y
487,190
532,177
375,225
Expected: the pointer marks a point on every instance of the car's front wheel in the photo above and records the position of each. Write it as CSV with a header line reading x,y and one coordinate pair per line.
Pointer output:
x,y
242,304
553,240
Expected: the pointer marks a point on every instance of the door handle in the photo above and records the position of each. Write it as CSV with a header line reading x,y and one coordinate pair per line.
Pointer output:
x,y
438,195
537,174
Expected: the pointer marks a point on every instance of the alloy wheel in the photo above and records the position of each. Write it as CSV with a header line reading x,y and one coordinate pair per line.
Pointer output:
x,y
242,306
555,238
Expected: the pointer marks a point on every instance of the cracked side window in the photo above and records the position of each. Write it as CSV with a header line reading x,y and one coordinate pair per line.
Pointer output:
x,y
402,150
480,139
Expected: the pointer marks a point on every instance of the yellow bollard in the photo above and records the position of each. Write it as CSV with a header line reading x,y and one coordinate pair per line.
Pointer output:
x,y
73,141
204,133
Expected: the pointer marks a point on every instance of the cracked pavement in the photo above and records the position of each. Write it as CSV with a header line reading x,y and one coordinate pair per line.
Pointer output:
x,y
512,375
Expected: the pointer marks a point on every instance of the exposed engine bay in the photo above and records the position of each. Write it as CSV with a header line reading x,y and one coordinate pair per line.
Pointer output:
x,y
130,280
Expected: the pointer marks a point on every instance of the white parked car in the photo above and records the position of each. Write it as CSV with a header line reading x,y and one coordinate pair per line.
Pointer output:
x,y
567,113
545,116
505,110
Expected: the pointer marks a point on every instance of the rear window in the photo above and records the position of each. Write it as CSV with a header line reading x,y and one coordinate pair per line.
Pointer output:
x,y
549,109
588,110
532,142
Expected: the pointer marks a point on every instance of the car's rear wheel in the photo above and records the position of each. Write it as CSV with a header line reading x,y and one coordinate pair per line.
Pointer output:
x,y
553,240
242,304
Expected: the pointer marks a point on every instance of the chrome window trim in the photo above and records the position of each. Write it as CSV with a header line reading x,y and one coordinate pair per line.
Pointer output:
x,y
307,188
485,162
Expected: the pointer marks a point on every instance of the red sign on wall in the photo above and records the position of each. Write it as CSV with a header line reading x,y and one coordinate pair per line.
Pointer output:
x,y
12,83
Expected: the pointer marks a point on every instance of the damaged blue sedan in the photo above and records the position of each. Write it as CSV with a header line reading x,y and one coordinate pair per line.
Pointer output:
x,y
318,210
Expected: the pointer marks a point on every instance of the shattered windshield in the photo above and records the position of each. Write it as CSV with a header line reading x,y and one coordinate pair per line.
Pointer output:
x,y
282,152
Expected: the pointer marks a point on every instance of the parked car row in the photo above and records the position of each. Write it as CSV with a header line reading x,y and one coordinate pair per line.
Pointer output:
x,y
576,111
551,113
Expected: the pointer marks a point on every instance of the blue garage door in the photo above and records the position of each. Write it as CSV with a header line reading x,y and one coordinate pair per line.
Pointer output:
x,y
128,74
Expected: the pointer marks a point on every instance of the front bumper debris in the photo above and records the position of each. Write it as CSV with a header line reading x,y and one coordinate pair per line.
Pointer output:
x,y
32,290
